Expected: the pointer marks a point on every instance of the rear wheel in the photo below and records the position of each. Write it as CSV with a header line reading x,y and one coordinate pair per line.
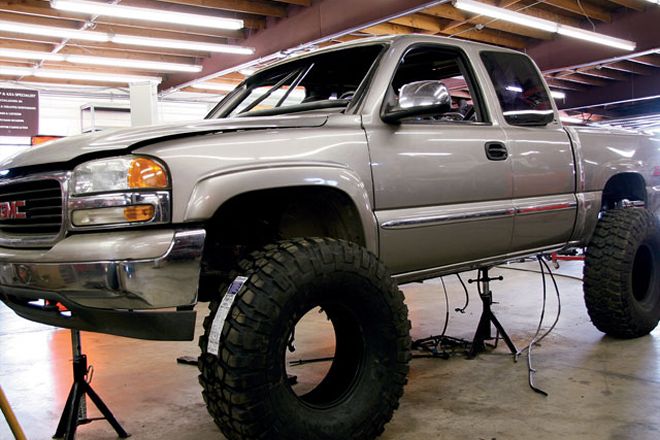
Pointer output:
x,y
622,273
246,387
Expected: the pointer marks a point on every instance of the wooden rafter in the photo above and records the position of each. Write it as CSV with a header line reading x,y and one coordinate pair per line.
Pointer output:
x,y
647,60
256,7
599,72
564,85
628,66
581,79
630,4
583,9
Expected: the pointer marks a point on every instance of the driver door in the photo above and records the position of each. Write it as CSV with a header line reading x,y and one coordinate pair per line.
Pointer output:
x,y
441,199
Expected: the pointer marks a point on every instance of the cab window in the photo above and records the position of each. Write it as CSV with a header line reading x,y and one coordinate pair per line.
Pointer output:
x,y
433,63
520,90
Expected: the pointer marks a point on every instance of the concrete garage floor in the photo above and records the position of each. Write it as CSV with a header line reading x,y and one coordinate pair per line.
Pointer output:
x,y
599,388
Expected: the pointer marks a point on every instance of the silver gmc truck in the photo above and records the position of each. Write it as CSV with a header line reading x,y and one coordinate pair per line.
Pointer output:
x,y
326,180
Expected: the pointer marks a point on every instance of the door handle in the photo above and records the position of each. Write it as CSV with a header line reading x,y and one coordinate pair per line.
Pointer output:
x,y
496,151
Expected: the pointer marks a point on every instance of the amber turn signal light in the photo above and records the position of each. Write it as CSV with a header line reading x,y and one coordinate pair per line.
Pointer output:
x,y
146,173
139,213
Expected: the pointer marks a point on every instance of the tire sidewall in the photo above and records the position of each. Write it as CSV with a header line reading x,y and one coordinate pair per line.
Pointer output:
x,y
368,388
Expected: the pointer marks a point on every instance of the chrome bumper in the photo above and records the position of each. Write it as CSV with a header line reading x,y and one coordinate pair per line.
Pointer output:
x,y
123,277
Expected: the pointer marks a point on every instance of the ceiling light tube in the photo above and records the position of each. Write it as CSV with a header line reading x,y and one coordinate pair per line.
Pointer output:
x,y
74,75
93,76
542,24
506,15
182,44
53,31
131,63
15,71
595,37
100,61
30,55
147,14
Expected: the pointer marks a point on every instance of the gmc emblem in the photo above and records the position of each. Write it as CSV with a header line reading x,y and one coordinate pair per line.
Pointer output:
x,y
11,210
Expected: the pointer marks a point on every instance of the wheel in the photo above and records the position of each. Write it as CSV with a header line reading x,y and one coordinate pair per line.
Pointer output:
x,y
622,273
246,387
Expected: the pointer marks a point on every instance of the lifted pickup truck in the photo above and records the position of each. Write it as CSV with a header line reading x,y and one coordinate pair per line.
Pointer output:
x,y
327,180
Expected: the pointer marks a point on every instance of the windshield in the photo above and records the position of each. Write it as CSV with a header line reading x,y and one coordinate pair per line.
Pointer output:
x,y
326,80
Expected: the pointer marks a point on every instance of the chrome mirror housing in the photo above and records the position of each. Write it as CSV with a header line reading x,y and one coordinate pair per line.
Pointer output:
x,y
419,98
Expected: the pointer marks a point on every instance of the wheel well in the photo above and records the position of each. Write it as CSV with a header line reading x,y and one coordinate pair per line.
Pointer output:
x,y
629,186
249,221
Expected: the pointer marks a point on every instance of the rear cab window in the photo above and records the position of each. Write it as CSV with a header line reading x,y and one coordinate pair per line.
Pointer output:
x,y
520,90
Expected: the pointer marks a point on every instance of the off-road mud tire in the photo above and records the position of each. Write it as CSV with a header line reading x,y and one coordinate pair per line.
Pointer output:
x,y
622,273
245,387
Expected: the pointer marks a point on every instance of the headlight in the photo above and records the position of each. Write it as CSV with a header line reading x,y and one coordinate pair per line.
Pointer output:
x,y
119,192
118,174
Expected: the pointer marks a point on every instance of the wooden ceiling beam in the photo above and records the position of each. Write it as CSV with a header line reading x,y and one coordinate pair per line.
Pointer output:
x,y
564,85
627,66
647,60
435,26
581,79
604,73
582,9
305,3
388,29
630,4
205,91
451,13
256,7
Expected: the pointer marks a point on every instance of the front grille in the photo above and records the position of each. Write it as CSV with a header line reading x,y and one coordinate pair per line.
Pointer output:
x,y
31,208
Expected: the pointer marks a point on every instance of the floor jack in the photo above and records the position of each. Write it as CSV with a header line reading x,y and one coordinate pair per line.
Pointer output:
x,y
75,409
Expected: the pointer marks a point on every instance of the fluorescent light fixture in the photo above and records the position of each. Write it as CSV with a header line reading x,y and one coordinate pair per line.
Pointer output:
x,y
506,15
73,34
514,89
147,14
181,44
159,66
542,24
74,75
30,55
130,63
595,37
557,95
214,86
52,31
15,71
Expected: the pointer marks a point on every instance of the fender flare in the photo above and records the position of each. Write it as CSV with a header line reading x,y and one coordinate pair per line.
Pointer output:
x,y
212,192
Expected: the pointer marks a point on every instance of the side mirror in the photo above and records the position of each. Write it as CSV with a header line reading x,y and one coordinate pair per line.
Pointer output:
x,y
419,98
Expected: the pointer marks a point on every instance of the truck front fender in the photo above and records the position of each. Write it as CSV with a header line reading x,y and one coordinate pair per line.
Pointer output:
x,y
211,193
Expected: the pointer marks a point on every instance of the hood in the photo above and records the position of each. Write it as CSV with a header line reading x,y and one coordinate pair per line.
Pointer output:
x,y
65,150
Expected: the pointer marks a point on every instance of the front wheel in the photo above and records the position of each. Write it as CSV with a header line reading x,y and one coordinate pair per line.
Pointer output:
x,y
246,386
622,273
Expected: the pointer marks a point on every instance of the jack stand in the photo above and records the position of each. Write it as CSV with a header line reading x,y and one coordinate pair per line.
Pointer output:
x,y
75,409
483,332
